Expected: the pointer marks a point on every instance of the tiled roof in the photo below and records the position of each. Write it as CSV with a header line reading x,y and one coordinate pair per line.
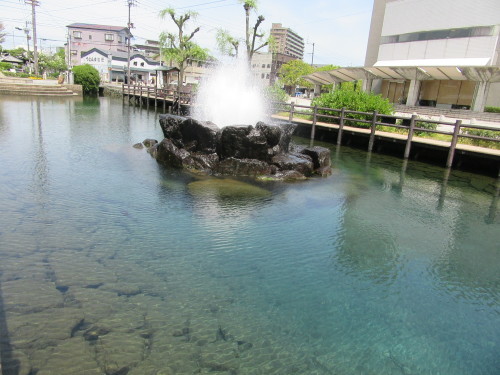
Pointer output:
x,y
96,27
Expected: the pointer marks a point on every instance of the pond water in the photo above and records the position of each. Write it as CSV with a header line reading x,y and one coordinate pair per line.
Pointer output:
x,y
113,264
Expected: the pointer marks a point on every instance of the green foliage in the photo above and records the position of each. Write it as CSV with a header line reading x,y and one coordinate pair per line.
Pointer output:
x,y
5,66
424,125
495,134
53,64
87,76
21,75
276,95
291,73
353,101
180,48
19,53
226,44
492,109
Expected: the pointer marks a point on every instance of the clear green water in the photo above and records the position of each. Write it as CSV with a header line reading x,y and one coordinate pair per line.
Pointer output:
x,y
113,264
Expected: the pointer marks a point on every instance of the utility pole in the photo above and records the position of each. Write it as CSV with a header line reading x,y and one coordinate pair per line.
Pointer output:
x,y
312,56
34,3
130,25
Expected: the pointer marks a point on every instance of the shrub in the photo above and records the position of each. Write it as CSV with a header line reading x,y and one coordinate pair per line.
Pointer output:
x,y
276,95
481,133
424,125
5,66
492,109
87,76
354,101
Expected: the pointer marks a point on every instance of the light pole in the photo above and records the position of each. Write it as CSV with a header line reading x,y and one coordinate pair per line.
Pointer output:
x,y
312,55
27,32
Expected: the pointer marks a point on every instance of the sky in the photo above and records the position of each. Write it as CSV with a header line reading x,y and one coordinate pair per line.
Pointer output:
x,y
338,28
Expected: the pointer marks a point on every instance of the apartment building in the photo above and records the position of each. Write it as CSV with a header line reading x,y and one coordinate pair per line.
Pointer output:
x,y
83,37
287,41
266,66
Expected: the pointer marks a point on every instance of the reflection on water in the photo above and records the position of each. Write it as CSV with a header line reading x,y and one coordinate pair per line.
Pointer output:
x,y
113,264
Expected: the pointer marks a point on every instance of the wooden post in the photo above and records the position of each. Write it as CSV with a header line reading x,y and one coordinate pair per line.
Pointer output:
x,y
290,118
134,92
341,125
313,128
372,133
123,92
164,101
140,96
156,96
410,136
147,97
453,145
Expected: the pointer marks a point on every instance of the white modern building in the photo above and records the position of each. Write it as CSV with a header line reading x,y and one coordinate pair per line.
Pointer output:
x,y
440,53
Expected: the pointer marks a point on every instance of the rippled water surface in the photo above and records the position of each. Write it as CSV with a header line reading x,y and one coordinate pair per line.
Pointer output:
x,y
113,264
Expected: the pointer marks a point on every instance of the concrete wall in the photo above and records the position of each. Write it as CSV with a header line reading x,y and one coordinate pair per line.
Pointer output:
x,y
474,47
407,16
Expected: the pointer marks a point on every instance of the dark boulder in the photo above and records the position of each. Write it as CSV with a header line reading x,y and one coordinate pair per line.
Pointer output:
x,y
294,161
242,142
260,151
320,156
170,126
168,153
200,136
243,167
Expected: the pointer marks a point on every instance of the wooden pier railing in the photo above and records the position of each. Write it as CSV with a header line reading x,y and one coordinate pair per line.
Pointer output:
x,y
167,96
371,123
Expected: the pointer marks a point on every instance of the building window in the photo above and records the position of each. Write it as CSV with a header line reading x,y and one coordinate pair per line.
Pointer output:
x,y
262,75
142,64
74,52
120,39
109,37
135,63
77,34
200,64
263,65
268,65
267,76
90,37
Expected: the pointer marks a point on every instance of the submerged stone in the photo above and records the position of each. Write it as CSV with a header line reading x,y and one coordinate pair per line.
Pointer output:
x,y
226,187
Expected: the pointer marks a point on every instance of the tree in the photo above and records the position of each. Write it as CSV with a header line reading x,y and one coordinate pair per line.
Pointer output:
x,y
180,48
53,64
252,35
2,34
87,76
291,74
226,44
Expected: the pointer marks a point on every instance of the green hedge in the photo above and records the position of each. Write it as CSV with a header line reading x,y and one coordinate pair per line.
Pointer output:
x,y
353,101
492,109
87,76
